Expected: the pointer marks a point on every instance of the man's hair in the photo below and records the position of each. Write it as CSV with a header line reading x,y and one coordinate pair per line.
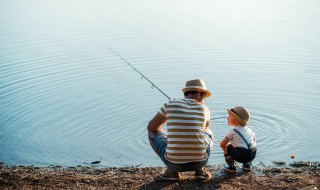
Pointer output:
x,y
193,92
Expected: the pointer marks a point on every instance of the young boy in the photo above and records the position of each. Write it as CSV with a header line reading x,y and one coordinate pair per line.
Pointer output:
x,y
243,140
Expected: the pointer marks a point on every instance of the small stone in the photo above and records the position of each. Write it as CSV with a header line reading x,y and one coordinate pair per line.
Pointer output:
x,y
95,162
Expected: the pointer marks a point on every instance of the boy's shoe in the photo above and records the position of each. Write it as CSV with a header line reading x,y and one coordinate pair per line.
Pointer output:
x,y
231,169
229,160
202,173
246,167
168,175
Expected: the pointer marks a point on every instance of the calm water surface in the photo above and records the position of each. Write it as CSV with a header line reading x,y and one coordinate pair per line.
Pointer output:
x,y
67,99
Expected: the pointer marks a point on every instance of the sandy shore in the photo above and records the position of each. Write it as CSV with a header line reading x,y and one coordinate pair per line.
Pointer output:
x,y
303,175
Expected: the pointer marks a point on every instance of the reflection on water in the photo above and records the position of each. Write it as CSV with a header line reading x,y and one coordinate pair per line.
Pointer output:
x,y
66,98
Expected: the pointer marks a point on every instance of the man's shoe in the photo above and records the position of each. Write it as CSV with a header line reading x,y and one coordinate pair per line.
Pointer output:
x,y
246,167
202,174
230,169
168,175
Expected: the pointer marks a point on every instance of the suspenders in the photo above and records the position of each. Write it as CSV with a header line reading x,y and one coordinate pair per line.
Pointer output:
x,y
249,145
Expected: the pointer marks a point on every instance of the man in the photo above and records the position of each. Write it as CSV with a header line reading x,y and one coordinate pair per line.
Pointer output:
x,y
189,141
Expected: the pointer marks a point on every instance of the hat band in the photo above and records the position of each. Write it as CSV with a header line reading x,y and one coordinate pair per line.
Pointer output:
x,y
235,112
198,87
241,120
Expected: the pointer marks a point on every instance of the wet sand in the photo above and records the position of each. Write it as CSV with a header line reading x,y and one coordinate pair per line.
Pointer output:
x,y
300,175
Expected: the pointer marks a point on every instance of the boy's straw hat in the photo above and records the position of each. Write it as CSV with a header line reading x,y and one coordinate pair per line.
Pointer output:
x,y
196,85
241,113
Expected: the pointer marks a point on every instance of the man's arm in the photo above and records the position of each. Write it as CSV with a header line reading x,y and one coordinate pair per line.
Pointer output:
x,y
156,123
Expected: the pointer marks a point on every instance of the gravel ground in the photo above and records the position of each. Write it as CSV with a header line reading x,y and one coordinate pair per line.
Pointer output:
x,y
300,175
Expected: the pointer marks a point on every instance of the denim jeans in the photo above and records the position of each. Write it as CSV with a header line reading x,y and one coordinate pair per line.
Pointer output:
x,y
158,142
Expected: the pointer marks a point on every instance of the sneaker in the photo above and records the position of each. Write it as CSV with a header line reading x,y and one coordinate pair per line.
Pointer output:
x,y
230,169
202,174
246,167
168,175
231,165
229,161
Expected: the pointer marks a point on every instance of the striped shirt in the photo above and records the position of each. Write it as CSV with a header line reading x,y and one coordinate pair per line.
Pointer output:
x,y
186,121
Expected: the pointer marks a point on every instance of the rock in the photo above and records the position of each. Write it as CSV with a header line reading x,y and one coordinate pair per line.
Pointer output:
x,y
273,170
279,163
301,164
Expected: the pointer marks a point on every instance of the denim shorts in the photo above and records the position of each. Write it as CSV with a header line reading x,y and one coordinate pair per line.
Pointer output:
x,y
159,143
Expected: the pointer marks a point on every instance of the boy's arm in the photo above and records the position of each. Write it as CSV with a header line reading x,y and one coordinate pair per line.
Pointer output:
x,y
208,115
156,123
207,125
224,142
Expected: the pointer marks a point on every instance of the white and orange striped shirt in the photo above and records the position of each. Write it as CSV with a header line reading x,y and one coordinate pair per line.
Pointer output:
x,y
186,122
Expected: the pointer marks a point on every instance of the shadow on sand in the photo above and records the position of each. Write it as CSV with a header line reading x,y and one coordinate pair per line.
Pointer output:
x,y
188,182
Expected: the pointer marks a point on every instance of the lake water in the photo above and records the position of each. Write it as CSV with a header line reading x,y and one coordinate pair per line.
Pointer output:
x,y
67,99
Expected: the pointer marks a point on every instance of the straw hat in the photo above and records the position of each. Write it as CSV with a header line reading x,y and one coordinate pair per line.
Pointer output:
x,y
196,85
241,113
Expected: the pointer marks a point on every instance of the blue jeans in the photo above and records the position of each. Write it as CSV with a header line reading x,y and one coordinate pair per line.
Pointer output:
x,y
158,142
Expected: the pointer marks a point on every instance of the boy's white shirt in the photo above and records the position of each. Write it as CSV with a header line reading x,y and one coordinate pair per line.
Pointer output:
x,y
237,141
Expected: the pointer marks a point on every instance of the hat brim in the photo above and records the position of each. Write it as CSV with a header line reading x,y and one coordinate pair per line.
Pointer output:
x,y
238,118
208,93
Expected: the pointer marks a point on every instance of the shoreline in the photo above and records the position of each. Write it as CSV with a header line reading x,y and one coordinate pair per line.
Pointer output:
x,y
299,175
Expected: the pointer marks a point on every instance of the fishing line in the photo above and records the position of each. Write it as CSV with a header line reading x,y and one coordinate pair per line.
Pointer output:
x,y
142,75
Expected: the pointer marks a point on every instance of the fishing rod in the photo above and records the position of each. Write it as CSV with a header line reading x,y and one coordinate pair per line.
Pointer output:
x,y
153,85
143,76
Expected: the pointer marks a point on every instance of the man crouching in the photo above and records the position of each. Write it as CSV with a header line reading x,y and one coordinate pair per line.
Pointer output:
x,y
189,141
